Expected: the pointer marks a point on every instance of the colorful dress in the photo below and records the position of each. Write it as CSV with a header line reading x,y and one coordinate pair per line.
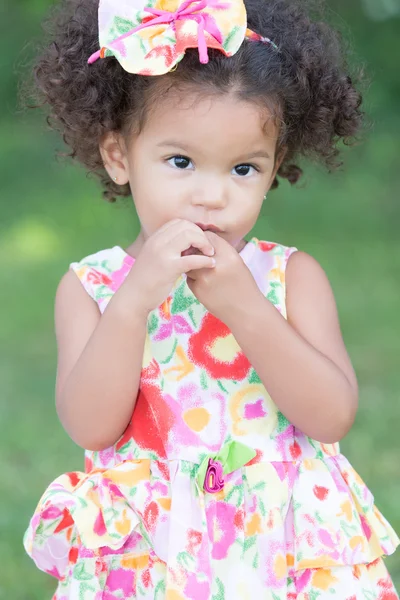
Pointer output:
x,y
210,494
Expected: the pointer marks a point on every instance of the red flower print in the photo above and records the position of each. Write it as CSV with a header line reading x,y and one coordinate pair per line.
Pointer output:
x,y
151,372
266,246
167,52
194,540
295,450
151,516
256,459
146,578
73,556
321,492
151,421
388,592
239,519
98,278
202,351
67,521
74,478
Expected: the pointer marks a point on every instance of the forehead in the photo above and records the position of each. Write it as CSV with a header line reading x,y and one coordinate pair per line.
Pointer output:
x,y
221,122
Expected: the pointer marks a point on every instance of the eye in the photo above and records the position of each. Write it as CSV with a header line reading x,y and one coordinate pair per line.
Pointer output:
x,y
179,162
244,170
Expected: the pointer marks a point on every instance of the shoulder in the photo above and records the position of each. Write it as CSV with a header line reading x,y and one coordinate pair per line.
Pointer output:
x,y
303,272
309,297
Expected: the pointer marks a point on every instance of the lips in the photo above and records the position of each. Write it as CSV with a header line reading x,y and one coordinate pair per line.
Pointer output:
x,y
210,227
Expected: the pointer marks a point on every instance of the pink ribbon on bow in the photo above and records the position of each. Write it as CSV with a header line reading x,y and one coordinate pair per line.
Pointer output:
x,y
188,10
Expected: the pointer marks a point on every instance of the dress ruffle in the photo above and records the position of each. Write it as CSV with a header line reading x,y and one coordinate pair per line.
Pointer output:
x,y
319,514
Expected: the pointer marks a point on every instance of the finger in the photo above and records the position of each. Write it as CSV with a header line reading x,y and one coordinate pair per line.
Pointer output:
x,y
193,237
195,262
182,235
216,240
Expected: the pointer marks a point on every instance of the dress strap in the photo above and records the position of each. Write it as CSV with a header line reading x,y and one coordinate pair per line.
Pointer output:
x,y
102,273
268,266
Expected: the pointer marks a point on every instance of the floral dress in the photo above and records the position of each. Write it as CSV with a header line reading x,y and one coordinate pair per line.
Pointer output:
x,y
210,493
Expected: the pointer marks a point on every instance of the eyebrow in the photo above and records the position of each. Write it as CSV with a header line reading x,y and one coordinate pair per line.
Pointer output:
x,y
176,144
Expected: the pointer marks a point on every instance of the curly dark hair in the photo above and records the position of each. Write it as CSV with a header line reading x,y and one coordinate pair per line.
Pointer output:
x,y
307,81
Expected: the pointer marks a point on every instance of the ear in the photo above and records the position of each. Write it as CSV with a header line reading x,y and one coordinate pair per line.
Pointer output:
x,y
114,155
278,161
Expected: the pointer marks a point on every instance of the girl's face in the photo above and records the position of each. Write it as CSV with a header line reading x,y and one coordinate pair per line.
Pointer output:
x,y
209,160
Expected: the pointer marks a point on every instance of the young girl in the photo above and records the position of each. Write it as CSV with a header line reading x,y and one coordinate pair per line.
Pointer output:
x,y
205,375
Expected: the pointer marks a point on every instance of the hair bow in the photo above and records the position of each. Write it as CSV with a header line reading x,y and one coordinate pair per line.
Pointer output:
x,y
150,38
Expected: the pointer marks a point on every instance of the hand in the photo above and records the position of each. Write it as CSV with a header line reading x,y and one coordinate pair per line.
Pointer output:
x,y
163,259
229,285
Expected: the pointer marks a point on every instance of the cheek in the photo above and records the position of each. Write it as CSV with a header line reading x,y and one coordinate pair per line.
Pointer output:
x,y
155,203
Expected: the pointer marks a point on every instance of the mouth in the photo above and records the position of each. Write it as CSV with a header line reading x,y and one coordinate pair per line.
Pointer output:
x,y
210,227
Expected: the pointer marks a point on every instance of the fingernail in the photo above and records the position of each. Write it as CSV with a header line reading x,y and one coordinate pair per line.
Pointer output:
x,y
213,262
212,251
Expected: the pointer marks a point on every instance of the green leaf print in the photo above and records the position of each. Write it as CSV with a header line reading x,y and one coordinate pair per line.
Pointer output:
x,y
181,302
230,36
159,592
191,315
222,387
254,378
203,380
86,588
220,595
317,448
82,502
80,574
236,489
152,323
272,294
105,266
186,559
123,25
283,423
258,486
255,561
313,595
188,468
349,530
124,448
278,250
261,506
249,542
167,360
240,543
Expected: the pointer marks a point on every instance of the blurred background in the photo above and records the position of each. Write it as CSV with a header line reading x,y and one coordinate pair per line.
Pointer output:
x,y
52,214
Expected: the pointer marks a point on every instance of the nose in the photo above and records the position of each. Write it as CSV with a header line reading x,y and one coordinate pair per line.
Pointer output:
x,y
212,193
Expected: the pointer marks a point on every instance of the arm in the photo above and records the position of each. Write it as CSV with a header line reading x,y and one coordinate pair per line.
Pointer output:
x,y
99,363
302,361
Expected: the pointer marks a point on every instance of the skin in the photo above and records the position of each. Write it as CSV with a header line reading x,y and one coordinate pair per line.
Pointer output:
x,y
210,161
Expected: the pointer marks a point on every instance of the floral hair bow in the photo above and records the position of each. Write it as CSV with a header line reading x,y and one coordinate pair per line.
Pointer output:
x,y
151,37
